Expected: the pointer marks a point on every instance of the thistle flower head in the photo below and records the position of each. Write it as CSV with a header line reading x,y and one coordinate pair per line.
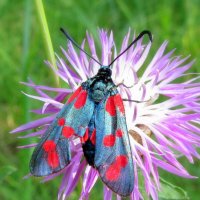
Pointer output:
x,y
162,119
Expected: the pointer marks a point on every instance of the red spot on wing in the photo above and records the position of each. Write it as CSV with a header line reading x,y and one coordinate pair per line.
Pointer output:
x,y
109,140
67,131
121,161
61,122
93,137
49,145
119,133
85,137
113,172
81,100
53,159
74,95
110,106
119,103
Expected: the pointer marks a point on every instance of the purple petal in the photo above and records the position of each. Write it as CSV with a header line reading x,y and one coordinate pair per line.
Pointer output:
x,y
34,134
41,87
171,168
89,180
71,176
107,193
34,124
27,146
75,180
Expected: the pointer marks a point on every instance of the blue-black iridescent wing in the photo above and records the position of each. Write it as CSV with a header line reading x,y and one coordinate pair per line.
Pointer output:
x,y
113,157
52,153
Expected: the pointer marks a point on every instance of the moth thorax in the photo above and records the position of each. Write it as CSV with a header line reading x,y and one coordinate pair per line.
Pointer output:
x,y
98,91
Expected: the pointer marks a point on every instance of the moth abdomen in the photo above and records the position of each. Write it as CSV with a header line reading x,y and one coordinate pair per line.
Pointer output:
x,y
89,152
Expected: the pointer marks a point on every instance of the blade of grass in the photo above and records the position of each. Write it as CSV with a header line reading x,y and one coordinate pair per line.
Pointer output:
x,y
27,194
46,35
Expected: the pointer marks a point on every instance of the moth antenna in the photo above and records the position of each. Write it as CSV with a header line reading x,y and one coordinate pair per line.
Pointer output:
x,y
135,40
75,44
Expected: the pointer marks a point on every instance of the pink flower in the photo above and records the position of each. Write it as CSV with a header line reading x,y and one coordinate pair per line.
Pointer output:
x,y
162,127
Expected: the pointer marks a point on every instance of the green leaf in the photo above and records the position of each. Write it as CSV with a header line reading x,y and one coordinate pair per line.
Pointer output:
x,y
171,192
6,171
168,191
142,185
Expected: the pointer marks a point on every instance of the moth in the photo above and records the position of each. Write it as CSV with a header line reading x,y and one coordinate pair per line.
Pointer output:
x,y
95,113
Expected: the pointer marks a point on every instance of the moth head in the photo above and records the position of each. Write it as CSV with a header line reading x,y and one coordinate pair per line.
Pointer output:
x,y
104,71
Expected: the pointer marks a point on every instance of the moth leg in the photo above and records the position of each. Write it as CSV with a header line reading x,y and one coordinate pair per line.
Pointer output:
x,y
124,85
130,100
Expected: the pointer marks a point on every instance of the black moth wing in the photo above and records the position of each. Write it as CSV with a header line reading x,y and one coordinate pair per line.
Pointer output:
x,y
113,157
52,153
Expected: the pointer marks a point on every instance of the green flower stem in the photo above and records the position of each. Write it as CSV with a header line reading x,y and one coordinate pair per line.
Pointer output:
x,y
46,34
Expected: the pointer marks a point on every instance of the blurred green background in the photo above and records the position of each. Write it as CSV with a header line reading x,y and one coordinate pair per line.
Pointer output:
x,y
22,52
